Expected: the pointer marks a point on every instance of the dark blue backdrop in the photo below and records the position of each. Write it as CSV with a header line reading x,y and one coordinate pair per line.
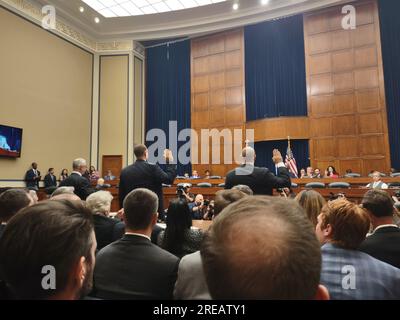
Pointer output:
x,y
275,69
168,89
264,153
390,34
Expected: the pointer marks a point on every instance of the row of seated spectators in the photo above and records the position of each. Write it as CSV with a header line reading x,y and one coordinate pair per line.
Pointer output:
x,y
258,247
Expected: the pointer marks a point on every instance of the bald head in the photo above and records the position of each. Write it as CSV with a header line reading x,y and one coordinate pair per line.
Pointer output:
x,y
249,155
257,249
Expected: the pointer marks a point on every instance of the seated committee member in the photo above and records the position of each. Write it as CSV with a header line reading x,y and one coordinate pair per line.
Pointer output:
x,y
346,272
384,243
109,176
32,177
317,174
262,248
260,180
330,172
207,174
12,201
191,283
195,175
64,175
3,143
107,230
61,244
143,174
179,238
133,267
82,187
377,183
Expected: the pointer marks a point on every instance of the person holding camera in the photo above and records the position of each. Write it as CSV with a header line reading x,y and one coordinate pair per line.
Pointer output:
x,y
198,207
183,192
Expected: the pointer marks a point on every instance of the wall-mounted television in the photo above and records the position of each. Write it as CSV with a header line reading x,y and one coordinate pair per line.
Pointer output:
x,y
10,141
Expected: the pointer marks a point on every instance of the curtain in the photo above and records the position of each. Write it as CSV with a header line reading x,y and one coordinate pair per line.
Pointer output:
x,y
390,37
264,149
168,90
275,69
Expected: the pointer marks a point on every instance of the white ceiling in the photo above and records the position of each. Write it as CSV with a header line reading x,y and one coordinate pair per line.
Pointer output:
x,y
126,8
189,22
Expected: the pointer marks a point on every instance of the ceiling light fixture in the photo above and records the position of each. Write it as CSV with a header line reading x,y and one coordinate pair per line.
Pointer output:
x,y
81,9
235,6
97,20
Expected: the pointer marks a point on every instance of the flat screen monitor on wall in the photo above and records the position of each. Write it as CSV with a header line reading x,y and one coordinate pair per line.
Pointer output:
x,y
10,141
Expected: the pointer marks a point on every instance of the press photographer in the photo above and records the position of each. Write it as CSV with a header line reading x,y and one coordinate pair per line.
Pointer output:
x,y
183,191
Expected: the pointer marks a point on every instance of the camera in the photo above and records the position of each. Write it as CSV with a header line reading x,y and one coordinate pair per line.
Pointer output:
x,y
206,202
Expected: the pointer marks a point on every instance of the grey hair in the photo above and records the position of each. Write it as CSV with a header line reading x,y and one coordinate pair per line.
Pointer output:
x,y
63,190
245,189
99,202
77,163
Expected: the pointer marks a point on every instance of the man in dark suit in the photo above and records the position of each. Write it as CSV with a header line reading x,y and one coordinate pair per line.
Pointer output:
x,y
142,174
12,201
260,180
32,177
81,185
384,243
133,267
50,181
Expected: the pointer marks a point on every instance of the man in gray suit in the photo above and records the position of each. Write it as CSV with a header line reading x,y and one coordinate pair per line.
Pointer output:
x,y
347,273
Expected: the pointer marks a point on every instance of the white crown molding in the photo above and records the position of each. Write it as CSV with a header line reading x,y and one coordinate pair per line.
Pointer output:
x,y
33,13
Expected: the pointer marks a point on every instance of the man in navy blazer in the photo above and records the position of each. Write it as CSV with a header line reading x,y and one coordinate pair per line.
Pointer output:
x,y
384,243
143,174
348,273
32,177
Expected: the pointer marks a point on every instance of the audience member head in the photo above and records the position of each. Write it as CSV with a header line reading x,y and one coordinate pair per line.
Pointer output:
x,y
64,172
49,239
141,152
224,198
100,202
34,196
257,249
63,190
12,201
249,155
79,165
66,196
376,176
245,189
92,169
312,202
379,206
51,171
342,223
179,220
34,165
140,207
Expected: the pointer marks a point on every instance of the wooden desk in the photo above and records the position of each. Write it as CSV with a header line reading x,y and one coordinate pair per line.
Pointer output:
x,y
194,182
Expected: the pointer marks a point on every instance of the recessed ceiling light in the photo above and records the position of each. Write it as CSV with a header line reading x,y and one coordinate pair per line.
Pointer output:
x,y
235,6
97,20
264,2
81,9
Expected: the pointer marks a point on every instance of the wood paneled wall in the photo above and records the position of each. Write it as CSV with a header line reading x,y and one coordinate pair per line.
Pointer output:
x,y
218,96
346,96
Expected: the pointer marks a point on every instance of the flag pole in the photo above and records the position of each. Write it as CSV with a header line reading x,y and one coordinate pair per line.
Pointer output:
x,y
288,138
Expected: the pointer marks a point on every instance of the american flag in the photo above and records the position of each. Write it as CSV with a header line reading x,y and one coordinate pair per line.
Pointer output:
x,y
291,161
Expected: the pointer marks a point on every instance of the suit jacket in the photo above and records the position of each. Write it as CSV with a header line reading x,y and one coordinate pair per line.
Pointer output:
x,y
82,185
107,230
191,283
384,245
2,227
260,180
373,279
142,174
30,180
50,181
134,268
